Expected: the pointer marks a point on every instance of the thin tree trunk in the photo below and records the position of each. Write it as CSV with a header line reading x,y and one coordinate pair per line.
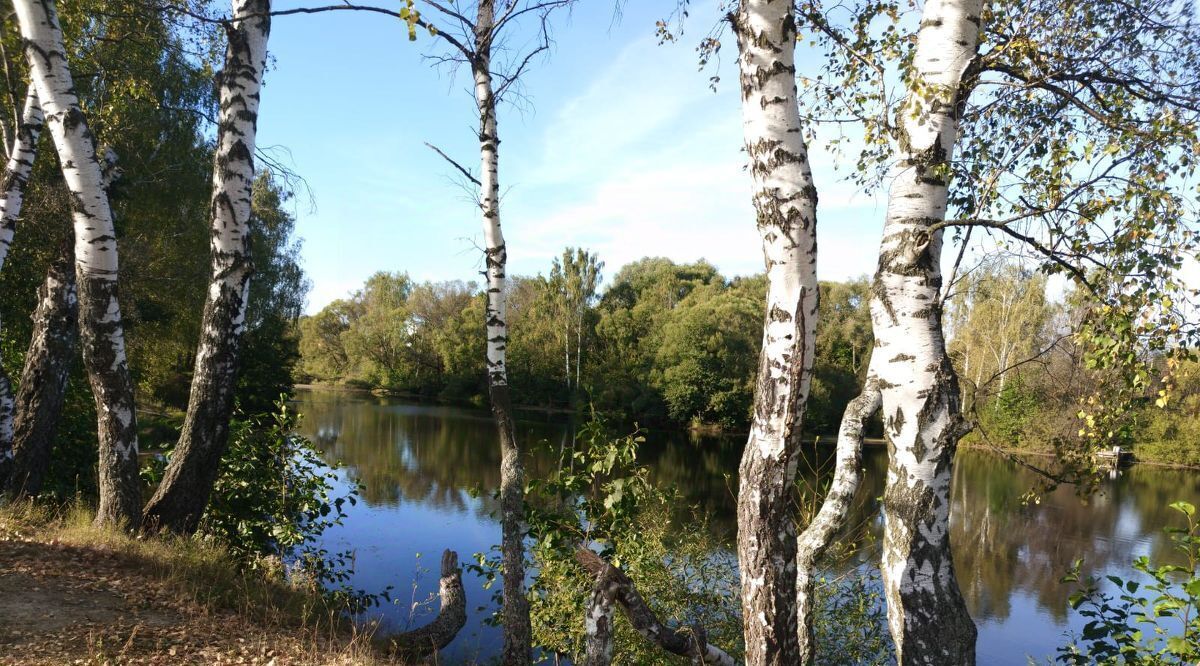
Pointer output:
x,y
187,483
835,509
101,330
12,190
927,617
785,201
48,362
517,641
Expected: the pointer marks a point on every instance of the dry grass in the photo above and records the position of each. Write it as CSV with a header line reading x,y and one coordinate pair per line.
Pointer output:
x,y
72,593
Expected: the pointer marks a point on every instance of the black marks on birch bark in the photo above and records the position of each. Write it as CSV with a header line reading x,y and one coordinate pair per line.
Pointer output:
x,y
181,498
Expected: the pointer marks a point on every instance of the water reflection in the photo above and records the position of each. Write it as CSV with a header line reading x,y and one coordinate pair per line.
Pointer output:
x,y
419,464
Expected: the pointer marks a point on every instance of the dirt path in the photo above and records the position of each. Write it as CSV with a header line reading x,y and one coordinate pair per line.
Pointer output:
x,y
62,604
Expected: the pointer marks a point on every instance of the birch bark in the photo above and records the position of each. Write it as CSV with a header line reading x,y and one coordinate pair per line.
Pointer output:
x,y
517,641
921,406
835,509
785,202
180,500
12,194
101,328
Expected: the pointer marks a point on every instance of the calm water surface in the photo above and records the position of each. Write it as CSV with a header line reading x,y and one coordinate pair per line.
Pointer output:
x,y
419,464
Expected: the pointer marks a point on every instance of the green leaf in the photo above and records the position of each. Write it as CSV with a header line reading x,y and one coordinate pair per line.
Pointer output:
x,y
1185,507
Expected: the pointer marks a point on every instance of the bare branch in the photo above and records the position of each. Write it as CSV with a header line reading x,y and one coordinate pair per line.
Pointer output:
x,y
463,170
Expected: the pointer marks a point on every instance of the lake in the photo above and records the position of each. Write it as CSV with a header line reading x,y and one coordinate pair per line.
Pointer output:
x,y
420,464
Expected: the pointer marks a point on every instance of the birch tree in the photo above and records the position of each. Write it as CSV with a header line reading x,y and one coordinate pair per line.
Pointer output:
x,y
474,46
48,364
180,500
1067,136
785,202
16,175
927,616
102,332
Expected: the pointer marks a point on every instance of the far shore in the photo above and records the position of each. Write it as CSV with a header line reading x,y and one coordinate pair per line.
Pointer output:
x,y
711,430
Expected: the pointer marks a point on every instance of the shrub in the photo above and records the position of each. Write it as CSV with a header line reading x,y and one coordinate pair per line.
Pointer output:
x,y
1154,623
273,498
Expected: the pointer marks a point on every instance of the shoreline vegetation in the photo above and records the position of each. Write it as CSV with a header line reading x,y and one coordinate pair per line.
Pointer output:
x,y
674,346
972,441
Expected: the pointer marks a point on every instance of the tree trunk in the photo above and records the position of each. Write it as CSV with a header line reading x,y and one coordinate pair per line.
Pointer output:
x,y
187,483
101,330
785,201
43,389
517,641
927,617
16,176
598,624
815,540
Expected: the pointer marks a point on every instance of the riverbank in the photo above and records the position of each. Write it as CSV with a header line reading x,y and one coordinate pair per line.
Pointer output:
x,y
72,594
1143,455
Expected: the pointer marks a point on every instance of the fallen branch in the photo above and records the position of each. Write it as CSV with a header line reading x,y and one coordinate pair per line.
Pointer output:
x,y
612,583
449,621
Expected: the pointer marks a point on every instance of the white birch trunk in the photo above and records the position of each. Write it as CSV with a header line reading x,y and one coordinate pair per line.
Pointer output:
x,y
12,194
183,494
517,640
785,201
16,171
927,617
834,511
101,329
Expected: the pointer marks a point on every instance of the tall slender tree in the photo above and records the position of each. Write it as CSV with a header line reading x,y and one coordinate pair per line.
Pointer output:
x,y
12,190
181,498
101,328
474,45
785,202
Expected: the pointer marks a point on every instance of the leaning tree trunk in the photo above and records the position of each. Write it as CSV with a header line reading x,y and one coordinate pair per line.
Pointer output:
x,y
102,333
785,201
12,194
187,483
835,509
927,617
613,586
44,379
512,474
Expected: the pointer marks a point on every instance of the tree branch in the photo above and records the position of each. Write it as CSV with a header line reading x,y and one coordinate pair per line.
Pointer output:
x,y
449,621
463,170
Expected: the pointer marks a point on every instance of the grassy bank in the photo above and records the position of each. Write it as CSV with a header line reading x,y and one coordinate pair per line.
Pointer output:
x,y
72,593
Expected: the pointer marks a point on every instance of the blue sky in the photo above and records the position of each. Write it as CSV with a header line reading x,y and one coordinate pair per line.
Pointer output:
x,y
621,148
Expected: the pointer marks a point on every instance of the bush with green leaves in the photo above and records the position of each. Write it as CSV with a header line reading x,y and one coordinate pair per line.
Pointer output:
x,y
603,498
1151,622
273,498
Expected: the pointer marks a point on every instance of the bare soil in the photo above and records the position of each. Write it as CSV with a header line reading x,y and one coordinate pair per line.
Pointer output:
x,y
65,604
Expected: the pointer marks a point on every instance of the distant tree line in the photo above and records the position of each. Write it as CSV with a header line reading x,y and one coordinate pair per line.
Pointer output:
x,y
664,343
675,345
